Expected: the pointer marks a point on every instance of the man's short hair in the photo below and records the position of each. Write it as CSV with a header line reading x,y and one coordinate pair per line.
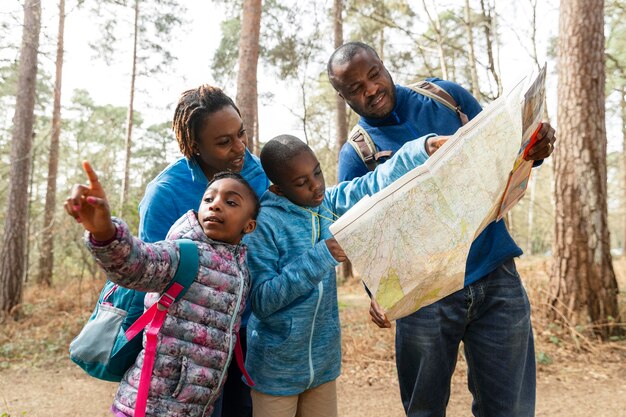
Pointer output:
x,y
345,53
277,153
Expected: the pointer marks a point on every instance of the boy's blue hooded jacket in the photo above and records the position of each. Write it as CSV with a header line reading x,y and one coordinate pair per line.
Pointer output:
x,y
294,341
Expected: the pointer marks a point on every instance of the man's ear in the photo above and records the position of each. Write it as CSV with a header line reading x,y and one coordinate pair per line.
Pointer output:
x,y
276,189
249,227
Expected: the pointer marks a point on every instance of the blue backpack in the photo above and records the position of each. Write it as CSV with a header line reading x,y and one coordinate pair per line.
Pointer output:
x,y
106,346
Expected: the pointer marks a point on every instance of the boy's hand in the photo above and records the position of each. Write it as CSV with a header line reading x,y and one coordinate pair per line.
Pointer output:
x,y
378,315
545,143
88,205
435,142
336,250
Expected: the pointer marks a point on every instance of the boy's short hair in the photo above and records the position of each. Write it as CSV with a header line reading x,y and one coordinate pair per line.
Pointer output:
x,y
277,152
237,177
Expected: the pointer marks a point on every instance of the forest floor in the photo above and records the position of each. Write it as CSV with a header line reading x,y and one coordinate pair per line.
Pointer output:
x,y
577,375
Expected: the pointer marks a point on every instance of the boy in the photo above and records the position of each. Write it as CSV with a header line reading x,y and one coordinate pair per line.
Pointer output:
x,y
294,344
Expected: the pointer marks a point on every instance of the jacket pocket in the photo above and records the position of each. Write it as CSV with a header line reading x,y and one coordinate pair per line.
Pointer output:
x,y
276,336
509,268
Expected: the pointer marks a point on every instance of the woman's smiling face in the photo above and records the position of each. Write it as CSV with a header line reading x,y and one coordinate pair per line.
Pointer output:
x,y
221,141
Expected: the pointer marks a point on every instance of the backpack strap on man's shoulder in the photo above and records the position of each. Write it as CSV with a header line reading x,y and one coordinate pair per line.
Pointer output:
x,y
364,146
432,90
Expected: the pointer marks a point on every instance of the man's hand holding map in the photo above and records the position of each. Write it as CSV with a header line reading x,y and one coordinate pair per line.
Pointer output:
x,y
411,240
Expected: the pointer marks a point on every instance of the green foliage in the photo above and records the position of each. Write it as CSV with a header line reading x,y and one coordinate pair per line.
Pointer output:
x,y
41,128
290,45
376,22
158,20
97,133
225,57
151,150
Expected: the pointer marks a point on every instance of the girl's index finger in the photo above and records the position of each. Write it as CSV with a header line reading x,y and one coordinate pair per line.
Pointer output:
x,y
91,174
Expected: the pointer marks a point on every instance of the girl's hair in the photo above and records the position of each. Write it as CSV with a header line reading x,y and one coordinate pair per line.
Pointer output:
x,y
237,177
193,107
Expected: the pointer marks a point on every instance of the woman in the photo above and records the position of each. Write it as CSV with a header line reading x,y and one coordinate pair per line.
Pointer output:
x,y
212,138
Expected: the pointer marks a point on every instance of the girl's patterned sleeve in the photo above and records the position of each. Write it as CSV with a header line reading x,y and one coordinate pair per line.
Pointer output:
x,y
133,263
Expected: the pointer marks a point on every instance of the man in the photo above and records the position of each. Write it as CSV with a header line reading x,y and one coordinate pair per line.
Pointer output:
x,y
491,314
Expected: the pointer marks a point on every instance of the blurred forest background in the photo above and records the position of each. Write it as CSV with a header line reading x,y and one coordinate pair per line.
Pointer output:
x,y
126,62
271,56
274,54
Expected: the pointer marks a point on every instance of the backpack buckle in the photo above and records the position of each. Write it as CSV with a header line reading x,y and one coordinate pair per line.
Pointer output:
x,y
165,301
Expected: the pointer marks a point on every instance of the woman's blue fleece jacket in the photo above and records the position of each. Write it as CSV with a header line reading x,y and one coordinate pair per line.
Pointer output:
x,y
294,341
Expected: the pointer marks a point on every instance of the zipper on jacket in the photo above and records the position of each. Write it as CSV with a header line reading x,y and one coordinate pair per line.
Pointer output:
x,y
230,328
320,289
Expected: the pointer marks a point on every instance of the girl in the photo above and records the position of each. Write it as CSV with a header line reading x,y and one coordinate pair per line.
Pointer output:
x,y
196,342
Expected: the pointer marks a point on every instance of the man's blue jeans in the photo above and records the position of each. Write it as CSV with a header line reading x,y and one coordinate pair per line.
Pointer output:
x,y
492,318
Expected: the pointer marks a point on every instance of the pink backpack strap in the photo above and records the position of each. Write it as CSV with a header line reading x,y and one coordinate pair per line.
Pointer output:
x,y
153,319
240,362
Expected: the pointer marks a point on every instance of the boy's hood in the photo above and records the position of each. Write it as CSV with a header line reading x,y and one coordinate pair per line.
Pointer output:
x,y
269,199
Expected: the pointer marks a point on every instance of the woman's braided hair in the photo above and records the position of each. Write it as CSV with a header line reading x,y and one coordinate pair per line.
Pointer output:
x,y
193,107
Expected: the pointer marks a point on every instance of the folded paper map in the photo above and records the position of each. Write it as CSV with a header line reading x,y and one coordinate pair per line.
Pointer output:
x,y
410,241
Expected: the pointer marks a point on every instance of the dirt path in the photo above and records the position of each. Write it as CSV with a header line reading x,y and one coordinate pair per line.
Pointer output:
x,y
572,384
574,390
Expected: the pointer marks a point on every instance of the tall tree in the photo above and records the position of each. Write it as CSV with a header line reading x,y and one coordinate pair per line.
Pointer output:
x,y
582,285
152,25
129,121
469,27
440,38
247,99
12,251
341,121
46,255
533,179
488,12
622,107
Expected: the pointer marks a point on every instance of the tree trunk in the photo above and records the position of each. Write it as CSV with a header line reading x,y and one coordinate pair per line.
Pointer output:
x,y
533,179
46,256
12,265
341,121
441,41
471,54
623,117
129,123
247,76
582,285
487,27
531,212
